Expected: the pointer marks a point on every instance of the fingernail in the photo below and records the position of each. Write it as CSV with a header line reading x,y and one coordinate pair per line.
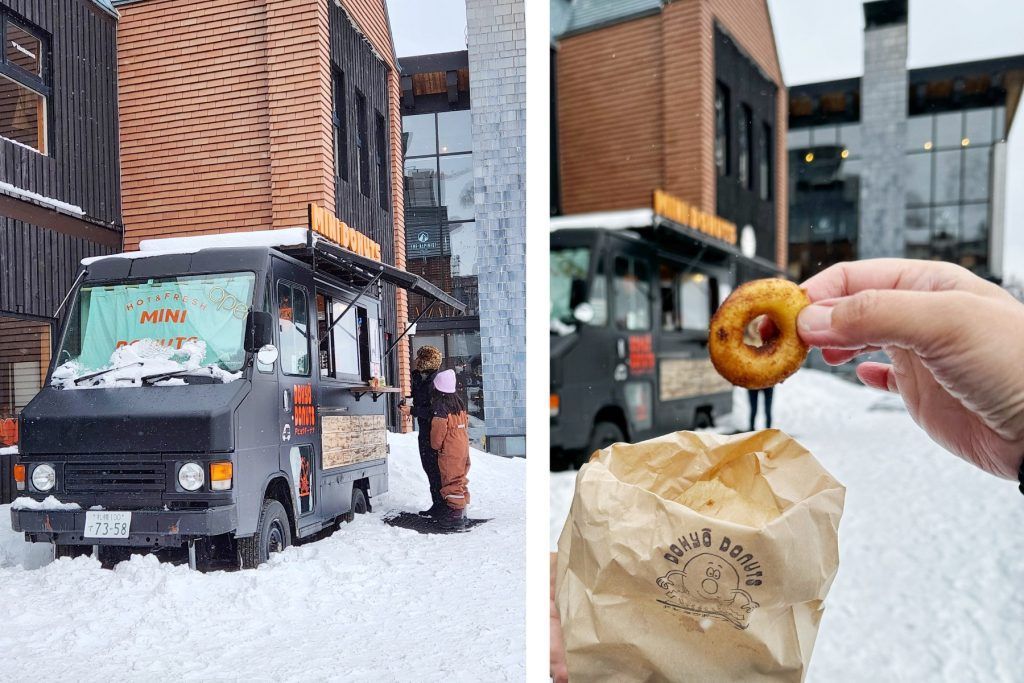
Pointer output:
x,y
815,318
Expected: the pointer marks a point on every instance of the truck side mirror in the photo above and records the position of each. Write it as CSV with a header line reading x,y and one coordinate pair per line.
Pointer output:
x,y
259,330
577,293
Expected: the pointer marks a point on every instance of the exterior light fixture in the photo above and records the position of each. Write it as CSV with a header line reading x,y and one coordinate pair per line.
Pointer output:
x,y
809,157
845,153
928,145
965,142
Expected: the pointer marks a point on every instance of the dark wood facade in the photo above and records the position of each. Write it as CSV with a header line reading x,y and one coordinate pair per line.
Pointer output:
x,y
38,260
363,193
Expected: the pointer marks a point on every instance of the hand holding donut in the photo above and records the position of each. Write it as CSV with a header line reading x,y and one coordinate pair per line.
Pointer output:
x,y
956,344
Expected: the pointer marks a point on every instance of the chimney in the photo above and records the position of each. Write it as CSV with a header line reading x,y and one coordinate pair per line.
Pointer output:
x,y
883,116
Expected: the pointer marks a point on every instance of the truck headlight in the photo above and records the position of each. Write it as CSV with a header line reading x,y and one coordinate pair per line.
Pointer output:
x,y
191,476
43,477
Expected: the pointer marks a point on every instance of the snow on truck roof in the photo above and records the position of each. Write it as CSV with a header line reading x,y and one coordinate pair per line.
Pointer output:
x,y
609,220
335,257
288,237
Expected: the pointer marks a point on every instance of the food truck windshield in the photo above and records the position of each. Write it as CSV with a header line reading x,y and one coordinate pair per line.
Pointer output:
x,y
198,320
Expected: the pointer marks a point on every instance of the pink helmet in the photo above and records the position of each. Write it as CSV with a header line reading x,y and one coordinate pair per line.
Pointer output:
x,y
445,382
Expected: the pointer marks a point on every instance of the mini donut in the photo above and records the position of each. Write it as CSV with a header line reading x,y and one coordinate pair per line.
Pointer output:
x,y
780,355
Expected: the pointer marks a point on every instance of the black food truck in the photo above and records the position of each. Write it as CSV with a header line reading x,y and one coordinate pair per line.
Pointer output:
x,y
632,294
220,398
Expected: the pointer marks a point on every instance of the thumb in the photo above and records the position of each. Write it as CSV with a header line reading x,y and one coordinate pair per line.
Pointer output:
x,y
920,321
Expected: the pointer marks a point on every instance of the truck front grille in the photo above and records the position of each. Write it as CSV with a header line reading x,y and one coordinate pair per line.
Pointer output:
x,y
114,477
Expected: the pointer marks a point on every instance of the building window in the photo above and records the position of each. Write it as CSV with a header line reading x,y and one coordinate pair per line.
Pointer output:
x,y
362,144
383,189
340,128
24,360
23,85
764,161
440,216
722,128
746,145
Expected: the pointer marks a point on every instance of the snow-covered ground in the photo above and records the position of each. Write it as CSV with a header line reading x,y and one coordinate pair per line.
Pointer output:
x,y
369,603
931,574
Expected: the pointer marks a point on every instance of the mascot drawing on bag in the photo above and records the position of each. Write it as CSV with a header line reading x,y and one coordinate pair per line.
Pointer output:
x,y
708,586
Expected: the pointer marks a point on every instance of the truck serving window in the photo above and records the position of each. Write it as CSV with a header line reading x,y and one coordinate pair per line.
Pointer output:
x,y
172,312
350,352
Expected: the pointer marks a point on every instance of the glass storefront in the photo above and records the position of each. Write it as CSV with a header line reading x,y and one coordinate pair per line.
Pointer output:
x,y
24,358
441,244
947,183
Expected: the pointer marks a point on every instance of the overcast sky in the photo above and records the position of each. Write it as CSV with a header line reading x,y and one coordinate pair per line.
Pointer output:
x,y
423,27
818,40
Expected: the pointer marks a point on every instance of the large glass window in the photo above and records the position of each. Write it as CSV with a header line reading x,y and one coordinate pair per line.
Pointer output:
x,y
362,144
24,360
765,163
457,186
460,351
947,176
948,129
23,84
440,208
978,126
722,135
976,172
920,135
632,288
383,187
340,128
746,145
919,179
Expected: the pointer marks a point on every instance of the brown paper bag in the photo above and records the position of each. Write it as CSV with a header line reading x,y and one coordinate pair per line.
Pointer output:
x,y
650,589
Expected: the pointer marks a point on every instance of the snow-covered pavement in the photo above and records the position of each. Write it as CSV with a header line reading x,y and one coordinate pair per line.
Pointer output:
x,y
369,603
931,574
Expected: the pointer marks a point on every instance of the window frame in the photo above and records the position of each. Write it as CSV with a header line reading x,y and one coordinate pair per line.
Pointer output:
x,y
745,145
383,174
365,360
293,286
40,85
765,163
340,121
362,143
723,129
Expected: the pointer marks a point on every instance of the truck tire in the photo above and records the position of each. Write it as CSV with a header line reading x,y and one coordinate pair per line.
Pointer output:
x,y
702,419
604,435
63,550
273,534
359,505
112,555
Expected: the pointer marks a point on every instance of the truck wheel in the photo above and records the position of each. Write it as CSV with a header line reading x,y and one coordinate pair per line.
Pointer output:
x,y
63,550
702,420
273,534
359,505
604,435
112,555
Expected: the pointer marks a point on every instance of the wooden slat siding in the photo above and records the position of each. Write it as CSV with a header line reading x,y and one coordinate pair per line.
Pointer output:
x,y
636,107
37,265
352,55
370,16
609,117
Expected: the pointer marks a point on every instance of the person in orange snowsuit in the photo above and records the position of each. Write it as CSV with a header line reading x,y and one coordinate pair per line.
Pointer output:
x,y
449,435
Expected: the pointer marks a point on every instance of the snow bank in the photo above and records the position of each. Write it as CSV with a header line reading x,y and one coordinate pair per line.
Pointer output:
x,y
48,503
930,562
139,359
371,602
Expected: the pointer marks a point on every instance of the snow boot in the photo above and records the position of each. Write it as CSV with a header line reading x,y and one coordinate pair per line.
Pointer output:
x,y
435,510
452,519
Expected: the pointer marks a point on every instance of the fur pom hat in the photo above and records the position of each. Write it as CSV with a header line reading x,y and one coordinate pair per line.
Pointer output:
x,y
428,359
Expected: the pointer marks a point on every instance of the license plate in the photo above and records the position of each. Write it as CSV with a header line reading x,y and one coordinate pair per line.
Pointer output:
x,y
107,524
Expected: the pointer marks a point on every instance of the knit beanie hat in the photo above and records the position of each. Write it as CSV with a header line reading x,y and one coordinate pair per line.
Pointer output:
x,y
445,382
428,359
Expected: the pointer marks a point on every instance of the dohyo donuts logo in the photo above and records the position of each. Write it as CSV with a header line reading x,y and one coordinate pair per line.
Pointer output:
x,y
709,577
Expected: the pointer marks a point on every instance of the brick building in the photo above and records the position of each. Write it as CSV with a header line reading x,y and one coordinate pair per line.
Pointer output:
x,y
238,114
59,194
685,96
